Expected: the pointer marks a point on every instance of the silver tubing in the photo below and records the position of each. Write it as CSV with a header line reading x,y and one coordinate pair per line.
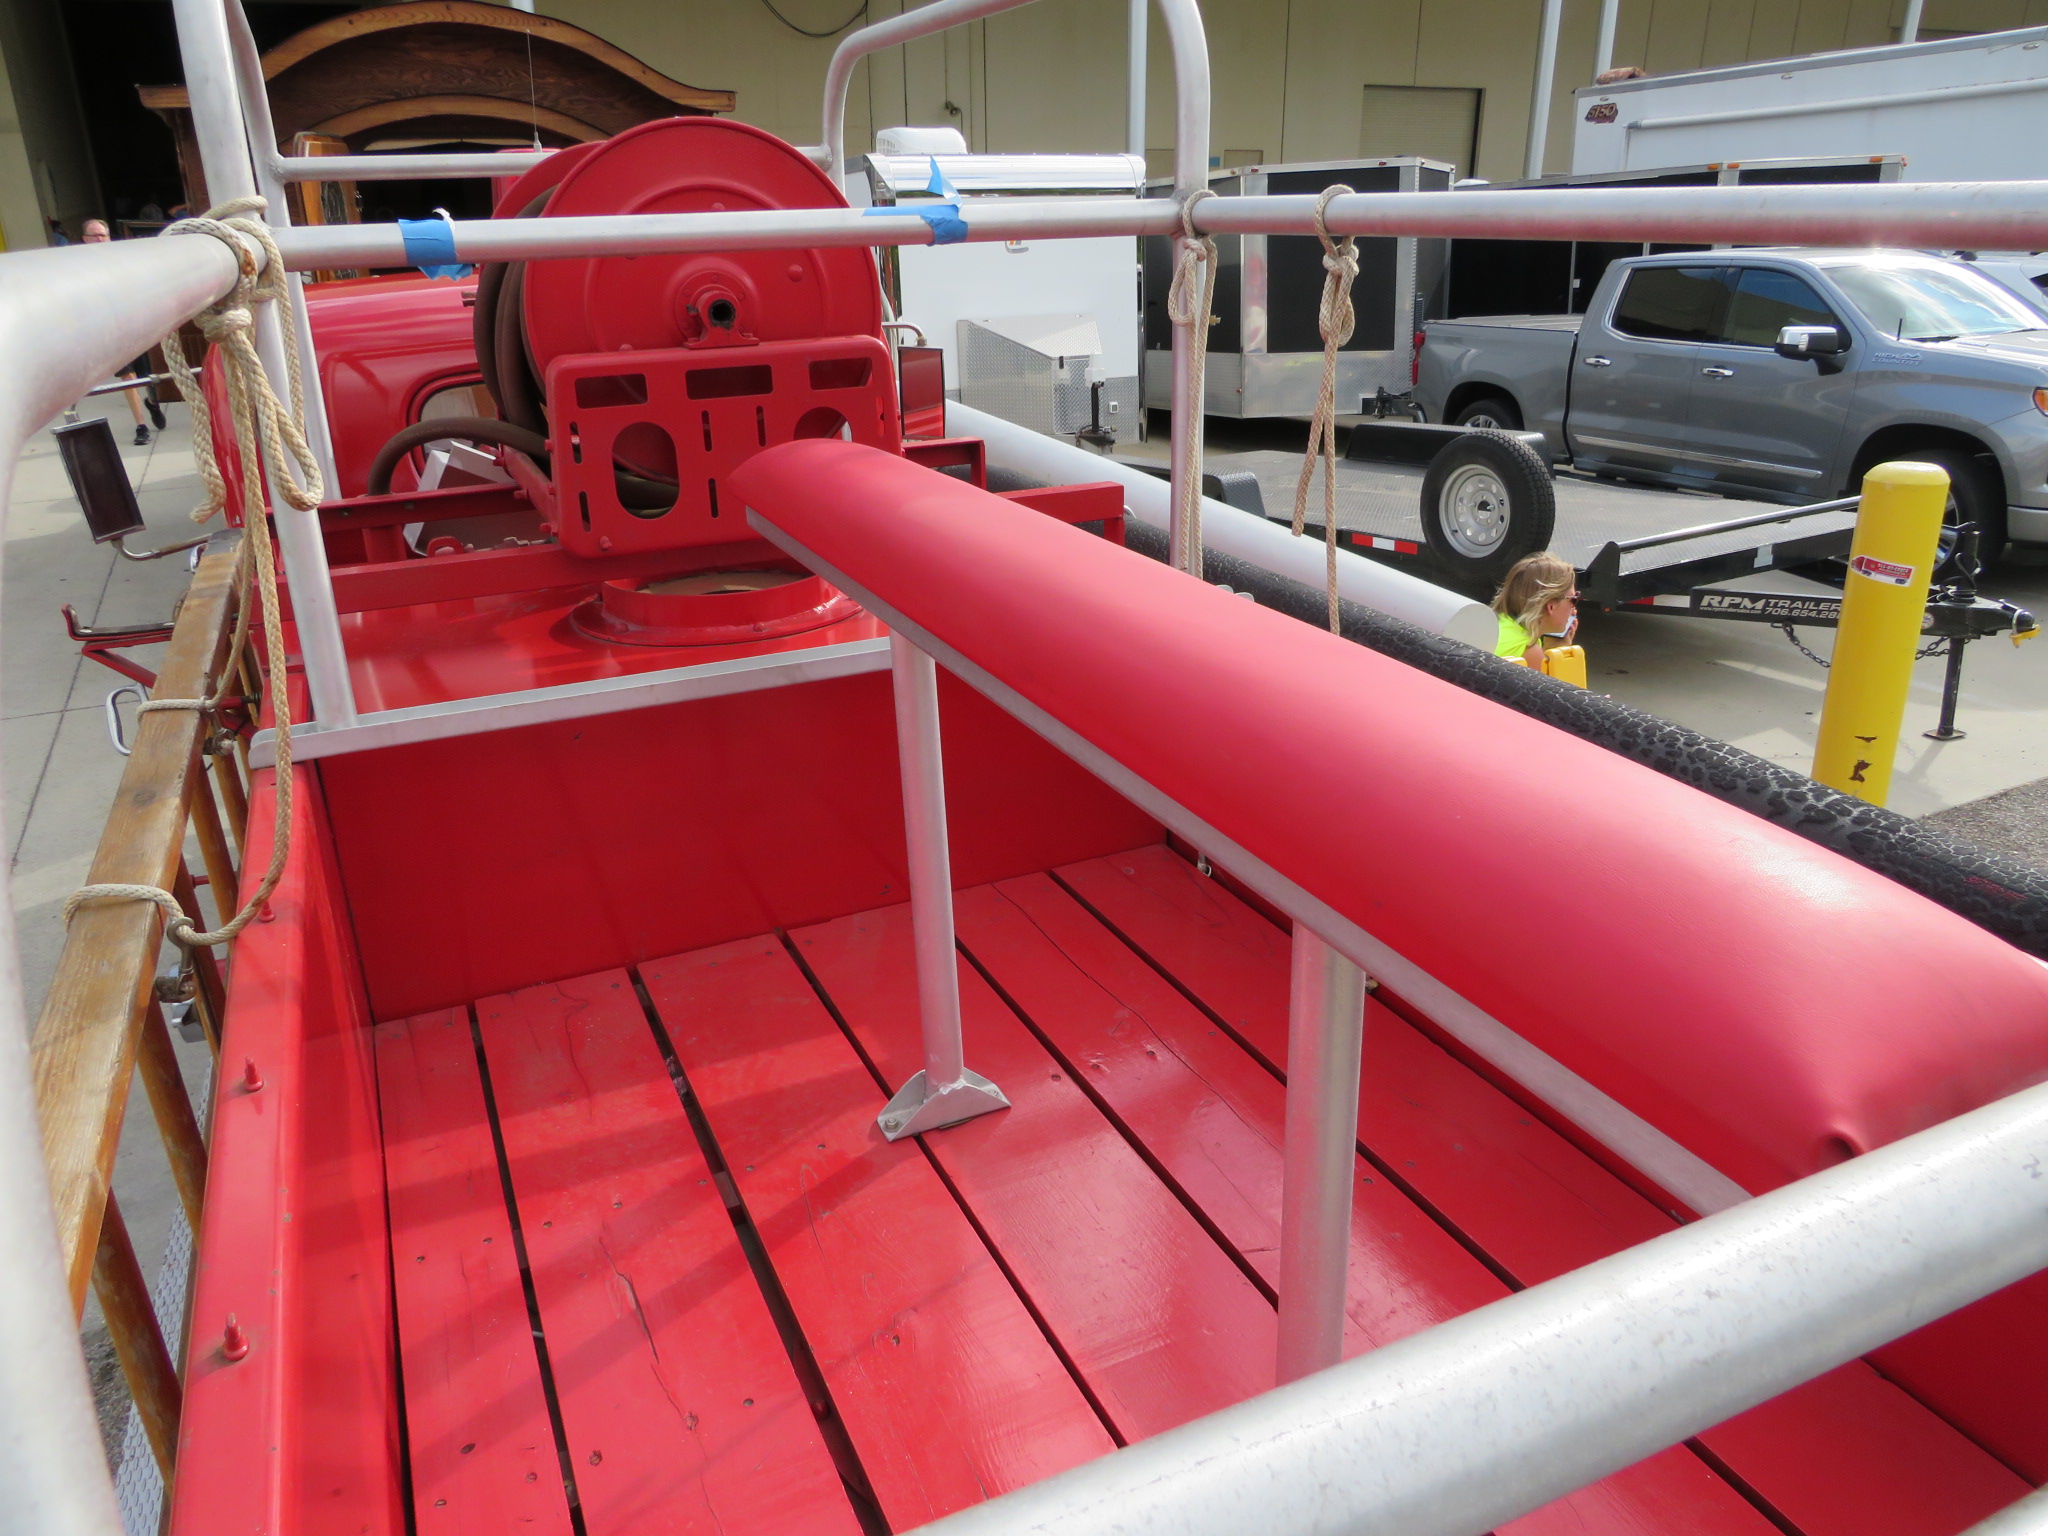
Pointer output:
x,y
2028,1517
1478,1420
68,318
463,167
945,1092
219,123
1325,1036
262,135
1134,100
1546,80
1603,50
1991,215
1910,31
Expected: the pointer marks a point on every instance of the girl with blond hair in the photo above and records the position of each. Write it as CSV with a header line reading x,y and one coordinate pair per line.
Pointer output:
x,y
1537,599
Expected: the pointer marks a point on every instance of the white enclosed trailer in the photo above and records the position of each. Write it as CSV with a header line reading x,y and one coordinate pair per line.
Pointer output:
x,y
1963,109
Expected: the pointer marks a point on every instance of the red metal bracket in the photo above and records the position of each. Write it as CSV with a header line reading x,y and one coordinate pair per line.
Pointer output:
x,y
102,645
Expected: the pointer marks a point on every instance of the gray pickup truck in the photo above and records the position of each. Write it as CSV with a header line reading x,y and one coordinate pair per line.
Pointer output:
x,y
1774,375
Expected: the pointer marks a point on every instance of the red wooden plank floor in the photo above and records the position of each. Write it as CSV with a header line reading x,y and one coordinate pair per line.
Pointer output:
x,y
1213,1118
482,1447
949,1391
1158,1322
681,1409
1846,1455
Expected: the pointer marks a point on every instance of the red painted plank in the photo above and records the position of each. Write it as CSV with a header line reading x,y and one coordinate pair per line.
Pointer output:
x,y
1213,1118
1539,1206
946,1385
682,1412
1536,1204
482,1449
1159,1323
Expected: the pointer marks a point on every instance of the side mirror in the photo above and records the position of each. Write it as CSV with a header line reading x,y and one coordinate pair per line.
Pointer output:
x,y
1804,343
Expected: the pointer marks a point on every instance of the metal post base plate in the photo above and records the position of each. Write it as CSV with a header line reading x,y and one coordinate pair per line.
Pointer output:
x,y
916,1108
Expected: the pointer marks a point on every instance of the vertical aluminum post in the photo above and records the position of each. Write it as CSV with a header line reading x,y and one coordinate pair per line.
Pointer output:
x,y
1909,30
219,125
1603,51
1134,105
945,1092
1546,76
262,134
1325,1036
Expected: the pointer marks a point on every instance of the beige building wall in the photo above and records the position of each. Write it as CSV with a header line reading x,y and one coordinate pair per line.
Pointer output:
x,y
46,167
1290,75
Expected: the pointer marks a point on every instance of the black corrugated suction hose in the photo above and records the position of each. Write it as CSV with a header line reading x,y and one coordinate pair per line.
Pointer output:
x,y
1999,894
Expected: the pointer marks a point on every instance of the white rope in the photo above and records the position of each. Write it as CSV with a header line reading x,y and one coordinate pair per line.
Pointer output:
x,y
1337,320
1188,304
267,437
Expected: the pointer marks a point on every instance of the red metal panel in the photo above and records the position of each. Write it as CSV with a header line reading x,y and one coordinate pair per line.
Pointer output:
x,y
1212,1117
1806,1007
476,1416
1538,1206
1981,1369
1533,1202
682,1412
300,1435
948,1389
690,416
560,849
1158,1322
378,343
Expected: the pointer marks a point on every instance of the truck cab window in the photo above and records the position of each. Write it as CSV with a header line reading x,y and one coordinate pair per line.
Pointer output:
x,y
1766,301
1672,303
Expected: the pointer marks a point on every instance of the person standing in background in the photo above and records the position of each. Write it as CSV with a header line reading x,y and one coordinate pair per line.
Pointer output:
x,y
96,233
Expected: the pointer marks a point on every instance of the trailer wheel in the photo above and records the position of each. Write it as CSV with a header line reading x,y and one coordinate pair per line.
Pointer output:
x,y
1486,502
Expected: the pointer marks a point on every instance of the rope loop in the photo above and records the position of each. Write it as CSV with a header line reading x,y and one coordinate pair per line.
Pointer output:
x,y
1336,319
270,437
1188,304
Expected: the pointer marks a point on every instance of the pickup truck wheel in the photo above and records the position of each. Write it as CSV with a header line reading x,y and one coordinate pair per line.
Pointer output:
x,y
1976,495
1491,412
1486,502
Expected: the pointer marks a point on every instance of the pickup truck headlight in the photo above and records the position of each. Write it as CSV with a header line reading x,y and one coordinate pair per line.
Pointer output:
x,y
2041,400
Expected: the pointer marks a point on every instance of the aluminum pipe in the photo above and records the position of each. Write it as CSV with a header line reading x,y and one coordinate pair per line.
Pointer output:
x,y
1991,215
1455,1430
465,167
68,318
1231,531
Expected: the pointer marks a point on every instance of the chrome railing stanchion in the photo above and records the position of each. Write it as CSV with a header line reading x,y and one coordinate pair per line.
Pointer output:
x,y
1325,1036
945,1092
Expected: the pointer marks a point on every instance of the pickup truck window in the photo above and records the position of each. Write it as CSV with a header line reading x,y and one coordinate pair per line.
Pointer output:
x,y
1928,304
1671,303
1766,301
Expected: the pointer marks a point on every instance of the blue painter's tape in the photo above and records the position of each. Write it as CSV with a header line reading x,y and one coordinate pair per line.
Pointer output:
x,y
947,225
430,246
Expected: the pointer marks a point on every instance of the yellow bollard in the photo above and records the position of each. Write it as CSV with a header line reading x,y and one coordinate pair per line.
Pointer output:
x,y
1898,529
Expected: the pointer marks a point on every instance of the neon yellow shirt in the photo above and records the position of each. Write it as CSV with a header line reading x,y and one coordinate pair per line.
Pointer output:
x,y
1514,640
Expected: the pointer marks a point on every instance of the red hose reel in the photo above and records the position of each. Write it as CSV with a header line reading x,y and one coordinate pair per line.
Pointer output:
x,y
671,370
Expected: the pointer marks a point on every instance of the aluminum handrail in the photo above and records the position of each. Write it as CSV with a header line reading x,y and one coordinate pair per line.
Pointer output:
x,y
1991,215
1184,34
1458,1429
68,318
1733,525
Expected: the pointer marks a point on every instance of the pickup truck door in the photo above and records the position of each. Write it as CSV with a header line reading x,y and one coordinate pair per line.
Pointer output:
x,y
1636,365
1760,421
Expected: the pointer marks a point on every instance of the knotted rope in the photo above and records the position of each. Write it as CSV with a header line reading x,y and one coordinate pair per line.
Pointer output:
x,y
1187,304
257,420
1337,320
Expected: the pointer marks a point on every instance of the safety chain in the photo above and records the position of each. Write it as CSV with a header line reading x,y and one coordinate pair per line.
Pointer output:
x,y
1932,648
268,436
1188,304
1337,320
